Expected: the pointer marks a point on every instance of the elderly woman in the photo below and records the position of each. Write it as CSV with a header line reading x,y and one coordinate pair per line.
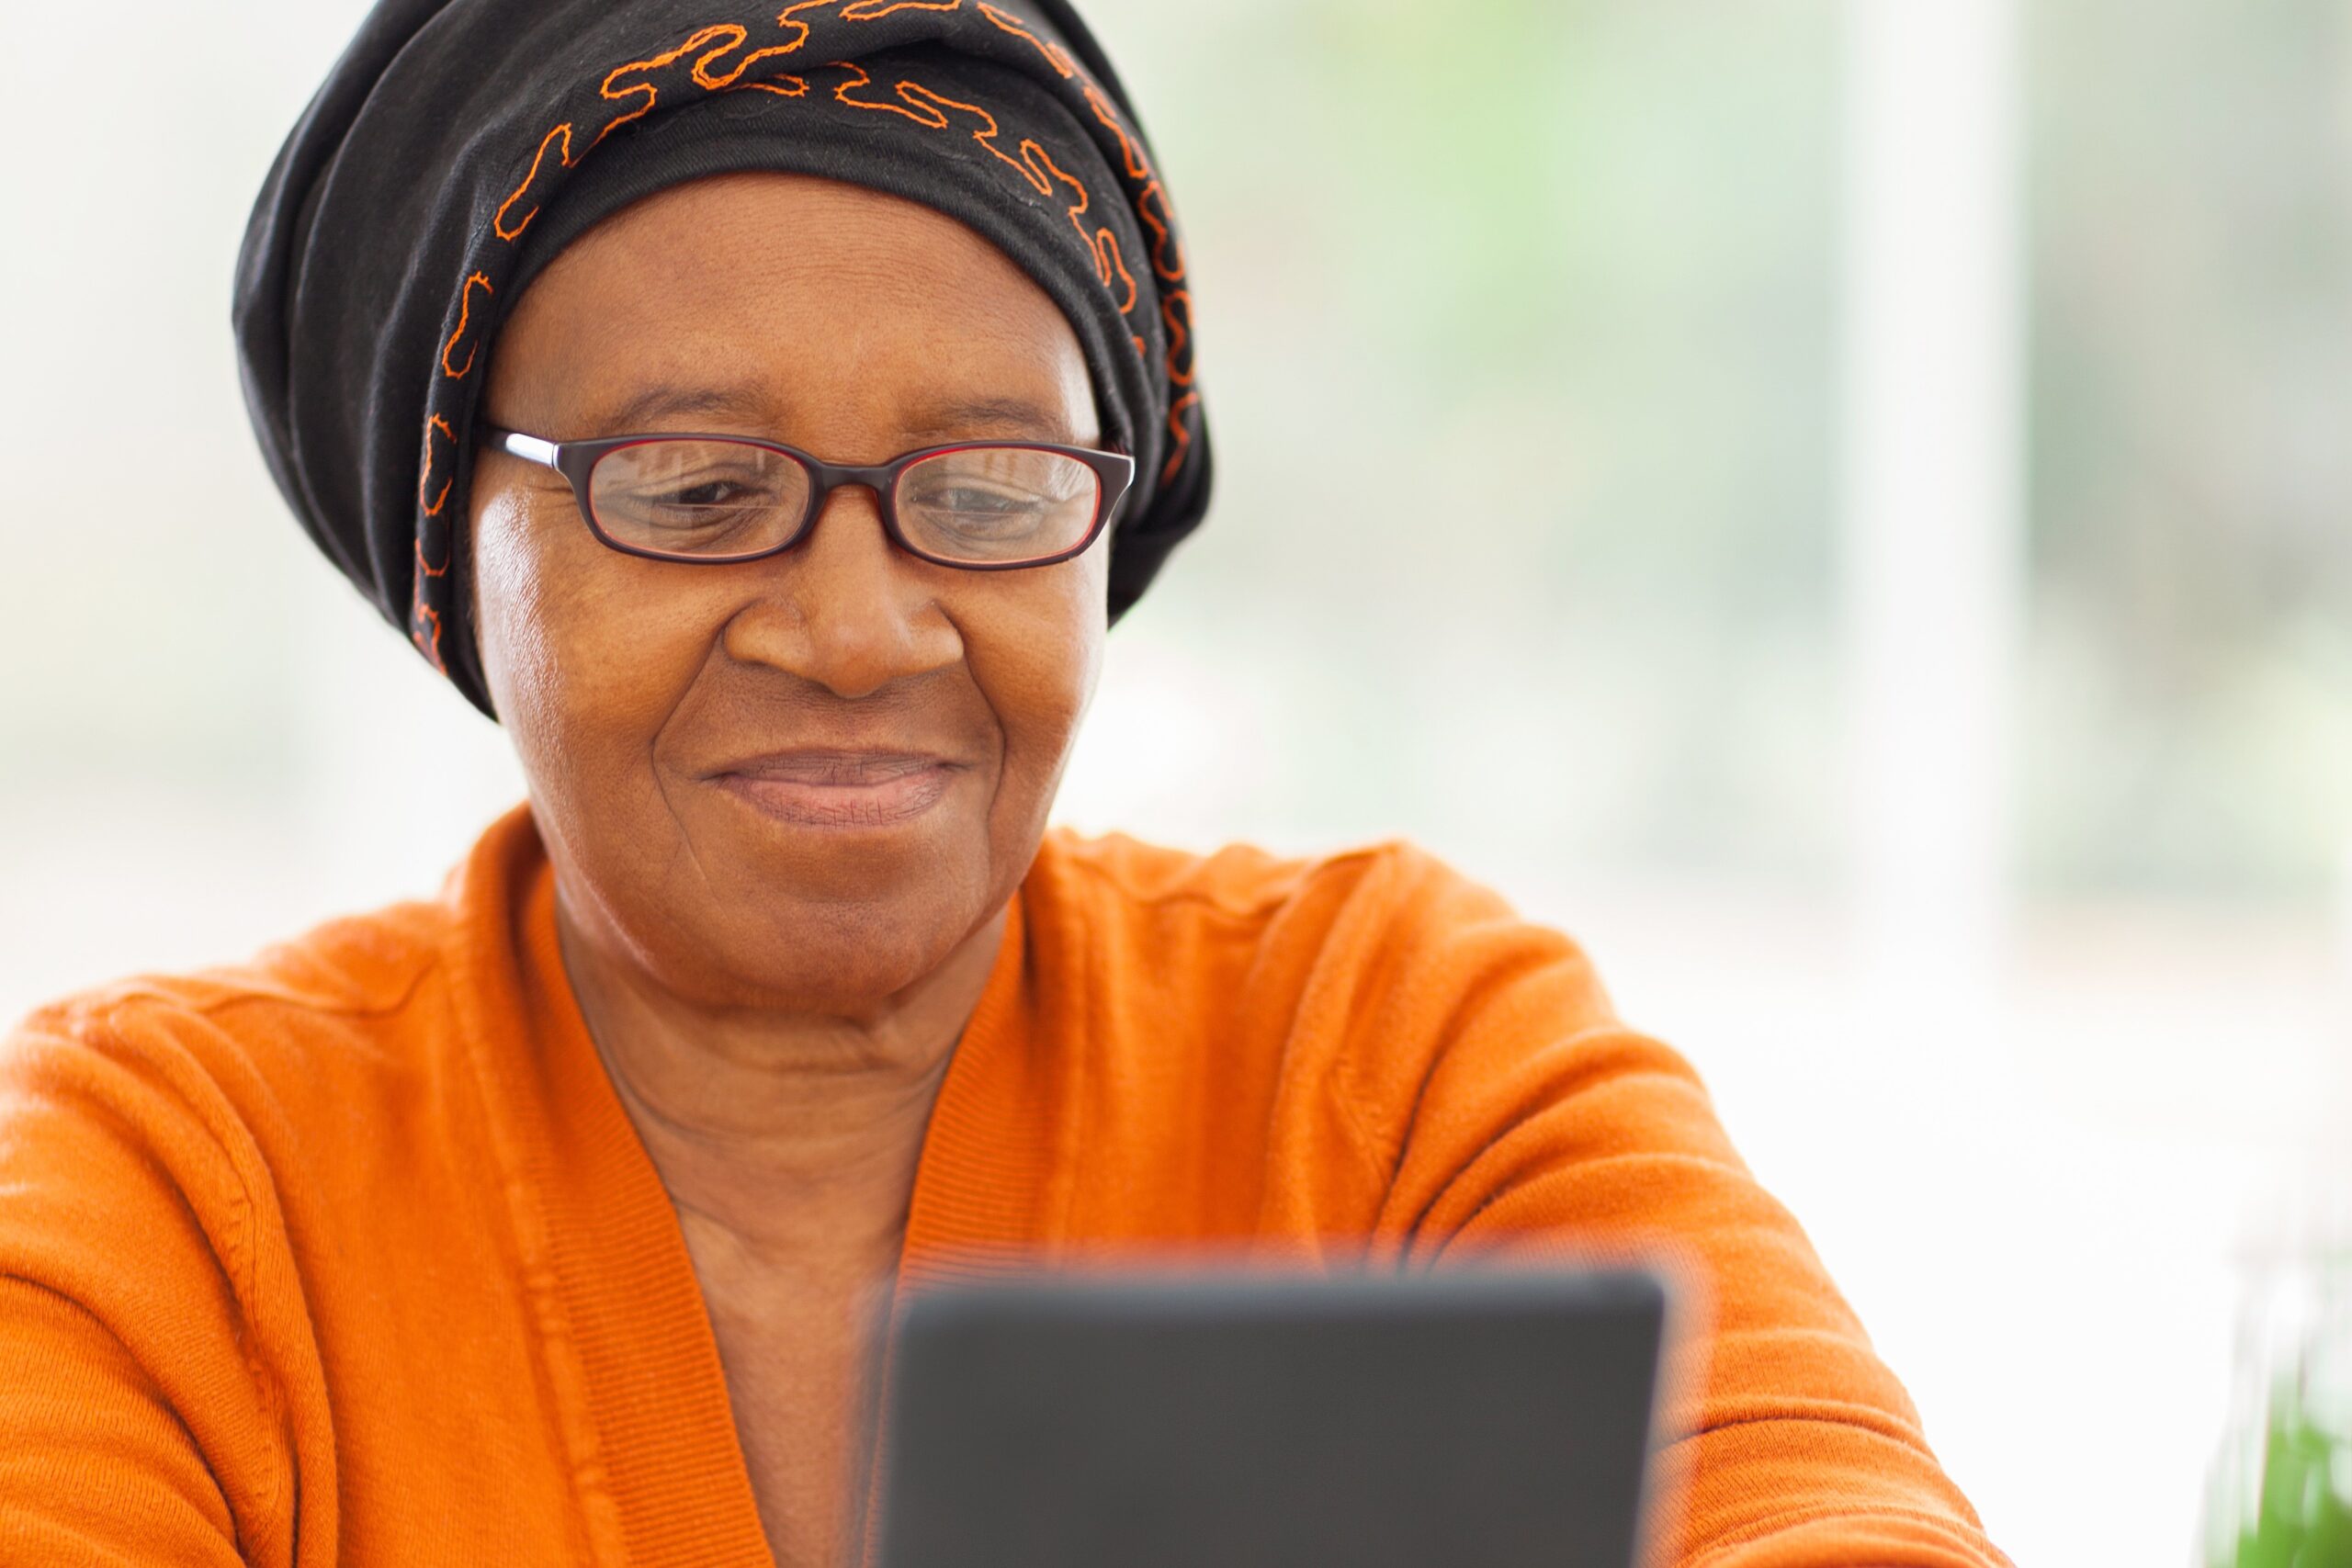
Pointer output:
x,y
763,417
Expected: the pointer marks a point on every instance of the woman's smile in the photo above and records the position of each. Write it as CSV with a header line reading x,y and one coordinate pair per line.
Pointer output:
x,y
840,790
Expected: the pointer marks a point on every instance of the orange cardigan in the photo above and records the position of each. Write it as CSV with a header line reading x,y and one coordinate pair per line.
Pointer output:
x,y
351,1257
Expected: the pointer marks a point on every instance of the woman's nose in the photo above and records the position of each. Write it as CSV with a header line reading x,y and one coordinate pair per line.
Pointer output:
x,y
845,608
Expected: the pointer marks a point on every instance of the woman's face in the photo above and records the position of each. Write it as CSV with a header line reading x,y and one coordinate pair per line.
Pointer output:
x,y
798,782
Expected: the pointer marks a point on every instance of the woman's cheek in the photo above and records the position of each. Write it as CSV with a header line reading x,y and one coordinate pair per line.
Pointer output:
x,y
559,666
1088,597
520,660
1048,655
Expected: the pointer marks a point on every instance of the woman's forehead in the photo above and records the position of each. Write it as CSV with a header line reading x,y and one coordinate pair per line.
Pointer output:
x,y
724,252
743,299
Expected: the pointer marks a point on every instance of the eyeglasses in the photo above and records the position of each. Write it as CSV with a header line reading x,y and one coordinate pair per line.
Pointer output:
x,y
716,500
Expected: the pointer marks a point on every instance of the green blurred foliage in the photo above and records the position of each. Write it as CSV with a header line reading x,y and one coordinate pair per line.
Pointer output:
x,y
2298,1515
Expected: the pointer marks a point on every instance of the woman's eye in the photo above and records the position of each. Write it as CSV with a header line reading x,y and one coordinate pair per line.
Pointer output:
x,y
987,501
710,492
697,502
705,491
703,508
974,505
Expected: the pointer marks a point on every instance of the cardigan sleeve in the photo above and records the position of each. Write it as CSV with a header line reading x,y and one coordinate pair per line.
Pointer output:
x,y
135,1425
1518,1115
95,1466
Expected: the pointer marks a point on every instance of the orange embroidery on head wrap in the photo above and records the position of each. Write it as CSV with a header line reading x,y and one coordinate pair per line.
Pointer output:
x,y
875,10
735,39
857,11
424,631
465,320
1176,312
783,84
617,91
424,627
709,82
1163,234
928,117
1031,150
1182,434
1103,244
1138,166
1107,256
424,482
790,18
498,223
930,110
1054,56
916,93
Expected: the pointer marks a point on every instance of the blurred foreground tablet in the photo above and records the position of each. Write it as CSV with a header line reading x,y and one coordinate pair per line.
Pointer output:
x,y
1486,1420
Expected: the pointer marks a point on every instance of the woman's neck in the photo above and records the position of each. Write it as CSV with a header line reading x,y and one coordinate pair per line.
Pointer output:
x,y
797,1135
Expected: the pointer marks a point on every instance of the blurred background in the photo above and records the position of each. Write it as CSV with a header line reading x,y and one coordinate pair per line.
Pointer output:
x,y
1839,503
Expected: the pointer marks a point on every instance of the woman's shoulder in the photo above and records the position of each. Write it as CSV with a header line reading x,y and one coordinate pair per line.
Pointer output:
x,y
1354,929
357,986
344,970
1240,881
1381,895
209,1074
186,1110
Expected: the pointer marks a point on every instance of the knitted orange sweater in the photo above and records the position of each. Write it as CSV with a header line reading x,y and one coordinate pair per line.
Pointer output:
x,y
352,1255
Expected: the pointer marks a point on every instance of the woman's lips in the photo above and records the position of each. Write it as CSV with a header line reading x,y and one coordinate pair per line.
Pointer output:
x,y
842,789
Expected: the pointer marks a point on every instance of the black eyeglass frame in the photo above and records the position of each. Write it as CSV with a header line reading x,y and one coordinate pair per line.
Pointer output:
x,y
577,460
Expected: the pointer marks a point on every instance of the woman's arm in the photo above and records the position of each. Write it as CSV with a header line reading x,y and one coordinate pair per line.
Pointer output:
x,y
95,1465
136,1427
1535,1123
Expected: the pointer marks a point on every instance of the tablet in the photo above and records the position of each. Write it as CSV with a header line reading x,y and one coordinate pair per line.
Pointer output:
x,y
1465,1420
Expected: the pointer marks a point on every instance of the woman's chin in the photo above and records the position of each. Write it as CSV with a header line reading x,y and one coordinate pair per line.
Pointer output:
x,y
853,906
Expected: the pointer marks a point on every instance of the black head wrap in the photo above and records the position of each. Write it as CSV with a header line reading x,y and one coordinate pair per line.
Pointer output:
x,y
460,144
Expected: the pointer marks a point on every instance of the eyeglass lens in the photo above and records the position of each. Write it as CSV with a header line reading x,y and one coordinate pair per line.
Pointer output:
x,y
719,500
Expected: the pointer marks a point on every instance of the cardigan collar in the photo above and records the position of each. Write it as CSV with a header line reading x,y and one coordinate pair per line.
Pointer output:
x,y
633,1369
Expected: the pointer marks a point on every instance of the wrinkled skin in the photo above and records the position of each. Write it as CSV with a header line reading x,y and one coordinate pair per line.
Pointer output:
x,y
775,974
853,325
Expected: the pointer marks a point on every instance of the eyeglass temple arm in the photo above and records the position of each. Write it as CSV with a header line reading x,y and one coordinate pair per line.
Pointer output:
x,y
530,448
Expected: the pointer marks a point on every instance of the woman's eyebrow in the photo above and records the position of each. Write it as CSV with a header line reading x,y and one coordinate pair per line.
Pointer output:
x,y
989,416
671,400
961,418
